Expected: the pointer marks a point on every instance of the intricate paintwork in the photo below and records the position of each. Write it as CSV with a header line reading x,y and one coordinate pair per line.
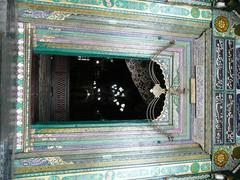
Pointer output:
x,y
224,24
46,143
133,6
23,93
238,87
223,153
199,58
129,29
224,83
230,46
195,177
219,63
208,93
225,157
221,24
219,118
230,124
221,158
238,68
134,173
195,12
206,3
19,106
238,113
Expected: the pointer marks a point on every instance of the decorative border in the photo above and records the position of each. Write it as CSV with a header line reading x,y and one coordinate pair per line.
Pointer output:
x,y
222,158
201,54
238,113
194,2
237,67
224,30
224,135
133,173
20,77
182,49
134,6
23,94
223,86
230,91
238,90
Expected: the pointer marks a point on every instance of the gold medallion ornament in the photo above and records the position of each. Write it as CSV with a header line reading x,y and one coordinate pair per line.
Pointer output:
x,y
221,158
221,24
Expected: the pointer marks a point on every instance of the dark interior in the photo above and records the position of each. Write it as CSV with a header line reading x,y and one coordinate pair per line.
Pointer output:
x,y
67,88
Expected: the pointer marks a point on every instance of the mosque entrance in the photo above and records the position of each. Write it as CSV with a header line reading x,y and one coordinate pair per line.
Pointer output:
x,y
75,88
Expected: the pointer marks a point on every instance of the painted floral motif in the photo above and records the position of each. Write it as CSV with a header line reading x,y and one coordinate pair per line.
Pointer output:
x,y
206,14
205,167
176,100
57,15
57,161
154,8
28,13
221,24
174,10
195,167
174,169
53,15
176,79
97,176
131,5
54,178
221,158
33,162
109,175
195,12
108,3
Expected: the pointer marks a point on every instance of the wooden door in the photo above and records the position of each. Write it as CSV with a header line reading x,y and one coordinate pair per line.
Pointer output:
x,y
49,88
40,88
60,88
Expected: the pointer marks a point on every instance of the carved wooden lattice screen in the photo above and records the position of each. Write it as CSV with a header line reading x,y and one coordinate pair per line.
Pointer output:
x,y
60,89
